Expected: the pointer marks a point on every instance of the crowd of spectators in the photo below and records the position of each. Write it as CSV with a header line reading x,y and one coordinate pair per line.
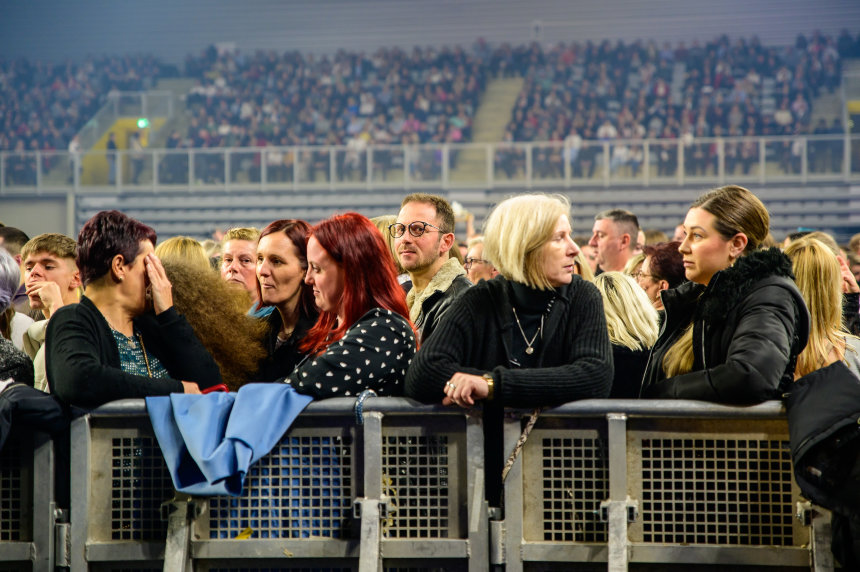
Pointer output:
x,y
352,99
43,105
632,91
573,93
341,322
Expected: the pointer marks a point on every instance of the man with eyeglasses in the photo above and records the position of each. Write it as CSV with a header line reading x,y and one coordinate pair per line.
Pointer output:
x,y
423,237
477,267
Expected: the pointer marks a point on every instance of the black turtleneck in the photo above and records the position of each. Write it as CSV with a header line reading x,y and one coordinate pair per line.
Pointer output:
x,y
531,304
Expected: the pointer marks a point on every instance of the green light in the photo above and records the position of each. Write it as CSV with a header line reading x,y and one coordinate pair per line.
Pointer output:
x,y
142,123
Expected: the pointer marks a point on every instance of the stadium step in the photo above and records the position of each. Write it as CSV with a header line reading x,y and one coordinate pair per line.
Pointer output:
x,y
492,116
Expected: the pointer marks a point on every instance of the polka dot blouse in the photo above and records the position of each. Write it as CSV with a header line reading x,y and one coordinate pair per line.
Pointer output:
x,y
374,353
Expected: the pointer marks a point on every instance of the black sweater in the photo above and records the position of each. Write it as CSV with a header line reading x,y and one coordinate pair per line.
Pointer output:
x,y
574,360
83,365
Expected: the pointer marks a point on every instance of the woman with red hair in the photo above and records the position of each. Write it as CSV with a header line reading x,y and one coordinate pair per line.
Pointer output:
x,y
363,338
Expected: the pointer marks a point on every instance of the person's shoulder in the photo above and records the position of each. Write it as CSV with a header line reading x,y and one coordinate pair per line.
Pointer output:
x,y
578,289
458,285
74,311
380,317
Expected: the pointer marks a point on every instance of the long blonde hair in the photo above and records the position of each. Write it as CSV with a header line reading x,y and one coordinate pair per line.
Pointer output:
x,y
818,277
736,210
630,317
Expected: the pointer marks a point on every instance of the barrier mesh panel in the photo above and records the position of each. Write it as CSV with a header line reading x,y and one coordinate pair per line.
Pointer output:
x,y
716,491
14,492
575,474
416,480
140,483
279,569
303,488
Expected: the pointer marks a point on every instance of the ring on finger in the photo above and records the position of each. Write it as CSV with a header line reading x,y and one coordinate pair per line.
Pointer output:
x,y
453,386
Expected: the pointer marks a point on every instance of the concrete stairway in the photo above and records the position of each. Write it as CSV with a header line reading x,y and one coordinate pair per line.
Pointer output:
x,y
179,86
494,112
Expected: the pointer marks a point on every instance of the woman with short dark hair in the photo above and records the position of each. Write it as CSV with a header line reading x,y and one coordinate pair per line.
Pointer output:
x,y
662,269
111,345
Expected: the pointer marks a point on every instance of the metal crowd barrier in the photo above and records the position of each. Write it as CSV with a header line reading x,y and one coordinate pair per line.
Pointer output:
x,y
404,490
28,511
658,482
599,484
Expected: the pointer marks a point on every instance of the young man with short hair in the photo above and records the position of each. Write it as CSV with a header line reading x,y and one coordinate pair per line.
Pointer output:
x,y
51,280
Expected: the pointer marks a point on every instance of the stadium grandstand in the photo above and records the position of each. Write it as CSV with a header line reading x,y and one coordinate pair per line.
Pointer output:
x,y
207,116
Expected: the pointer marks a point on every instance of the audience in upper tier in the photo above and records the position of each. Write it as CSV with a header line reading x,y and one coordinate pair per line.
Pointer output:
x,y
573,93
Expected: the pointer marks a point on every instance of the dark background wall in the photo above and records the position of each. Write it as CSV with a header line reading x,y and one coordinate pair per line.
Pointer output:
x,y
56,29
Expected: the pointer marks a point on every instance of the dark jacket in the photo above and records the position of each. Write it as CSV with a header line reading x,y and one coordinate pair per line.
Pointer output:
x,y
824,424
435,306
749,325
629,367
15,364
82,359
283,360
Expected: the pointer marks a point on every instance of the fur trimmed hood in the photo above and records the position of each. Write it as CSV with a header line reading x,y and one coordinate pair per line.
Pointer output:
x,y
728,287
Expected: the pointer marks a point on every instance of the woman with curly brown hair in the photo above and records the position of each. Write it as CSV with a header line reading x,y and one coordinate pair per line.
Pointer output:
x,y
217,313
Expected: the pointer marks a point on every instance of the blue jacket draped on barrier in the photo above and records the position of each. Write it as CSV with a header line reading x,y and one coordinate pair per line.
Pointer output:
x,y
209,441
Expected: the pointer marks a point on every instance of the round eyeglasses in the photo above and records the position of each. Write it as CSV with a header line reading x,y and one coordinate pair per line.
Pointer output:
x,y
416,228
471,261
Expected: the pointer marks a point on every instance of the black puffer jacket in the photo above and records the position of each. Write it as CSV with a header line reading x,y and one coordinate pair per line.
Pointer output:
x,y
749,325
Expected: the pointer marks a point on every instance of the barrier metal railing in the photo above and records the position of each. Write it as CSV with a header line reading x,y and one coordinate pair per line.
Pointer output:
x,y
758,160
28,511
648,481
404,488
598,483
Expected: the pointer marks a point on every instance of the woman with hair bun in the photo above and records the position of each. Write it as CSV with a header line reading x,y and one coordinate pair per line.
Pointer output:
x,y
732,334
363,338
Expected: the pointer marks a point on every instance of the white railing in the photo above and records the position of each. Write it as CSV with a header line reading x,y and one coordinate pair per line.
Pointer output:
x,y
757,160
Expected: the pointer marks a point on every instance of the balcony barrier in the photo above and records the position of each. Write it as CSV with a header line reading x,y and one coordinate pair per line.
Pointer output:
x,y
753,160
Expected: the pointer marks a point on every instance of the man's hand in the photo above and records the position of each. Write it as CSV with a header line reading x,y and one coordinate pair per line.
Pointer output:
x,y
49,294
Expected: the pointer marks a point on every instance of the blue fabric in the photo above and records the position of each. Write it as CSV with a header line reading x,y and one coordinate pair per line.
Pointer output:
x,y
209,441
261,312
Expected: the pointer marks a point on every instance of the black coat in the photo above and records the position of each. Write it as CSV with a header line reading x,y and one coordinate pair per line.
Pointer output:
x,y
749,325
281,361
82,360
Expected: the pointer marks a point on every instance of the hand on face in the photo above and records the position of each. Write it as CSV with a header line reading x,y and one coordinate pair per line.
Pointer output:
x,y
47,296
162,291
849,283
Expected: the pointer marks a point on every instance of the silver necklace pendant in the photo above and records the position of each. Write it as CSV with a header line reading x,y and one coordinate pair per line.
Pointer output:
x,y
530,350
